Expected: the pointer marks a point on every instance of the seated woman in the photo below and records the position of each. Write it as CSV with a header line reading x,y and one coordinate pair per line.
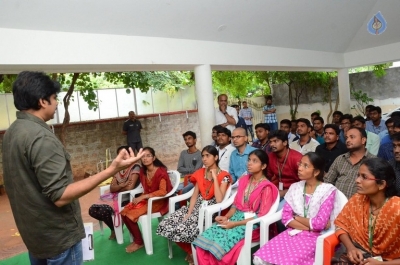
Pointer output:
x,y
122,181
307,211
156,183
369,224
211,184
221,243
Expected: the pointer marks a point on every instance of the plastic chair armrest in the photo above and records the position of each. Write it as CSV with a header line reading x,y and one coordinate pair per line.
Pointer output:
x,y
179,198
265,222
103,189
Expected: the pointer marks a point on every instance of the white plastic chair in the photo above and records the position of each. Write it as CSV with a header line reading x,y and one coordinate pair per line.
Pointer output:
x,y
145,220
122,196
340,202
186,196
245,253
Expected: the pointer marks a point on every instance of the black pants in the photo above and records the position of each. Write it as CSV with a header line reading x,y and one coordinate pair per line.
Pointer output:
x,y
102,212
135,146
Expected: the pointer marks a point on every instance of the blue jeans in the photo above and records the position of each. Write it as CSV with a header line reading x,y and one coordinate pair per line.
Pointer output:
x,y
273,126
250,129
71,256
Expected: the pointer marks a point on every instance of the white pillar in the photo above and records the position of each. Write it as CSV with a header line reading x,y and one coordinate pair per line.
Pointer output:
x,y
344,90
205,102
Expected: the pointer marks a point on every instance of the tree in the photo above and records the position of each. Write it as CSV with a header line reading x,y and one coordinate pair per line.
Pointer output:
x,y
362,101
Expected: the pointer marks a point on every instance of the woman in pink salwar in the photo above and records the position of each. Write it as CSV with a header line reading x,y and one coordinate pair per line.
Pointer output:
x,y
222,244
307,212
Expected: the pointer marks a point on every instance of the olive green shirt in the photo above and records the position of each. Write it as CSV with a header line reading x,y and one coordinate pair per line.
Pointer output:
x,y
37,171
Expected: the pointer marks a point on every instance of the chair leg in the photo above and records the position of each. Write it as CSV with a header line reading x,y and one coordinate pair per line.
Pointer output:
x,y
194,254
101,228
119,231
171,255
146,233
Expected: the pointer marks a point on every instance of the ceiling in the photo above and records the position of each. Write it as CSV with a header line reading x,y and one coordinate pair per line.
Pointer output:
x,y
338,27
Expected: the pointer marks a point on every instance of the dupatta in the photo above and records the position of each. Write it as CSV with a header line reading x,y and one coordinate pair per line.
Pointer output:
x,y
354,217
206,185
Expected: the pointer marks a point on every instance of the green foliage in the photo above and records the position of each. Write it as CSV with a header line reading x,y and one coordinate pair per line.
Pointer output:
x,y
378,70
240,84
362,100
6,82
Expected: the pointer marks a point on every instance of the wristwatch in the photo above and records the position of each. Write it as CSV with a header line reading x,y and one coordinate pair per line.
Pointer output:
x,y
225,113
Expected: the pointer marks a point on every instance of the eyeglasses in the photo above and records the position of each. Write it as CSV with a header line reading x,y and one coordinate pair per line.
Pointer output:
x,y
364,177
305,165
237,137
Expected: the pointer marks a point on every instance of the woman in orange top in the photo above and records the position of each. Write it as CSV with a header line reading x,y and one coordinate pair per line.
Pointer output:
x,y
156,183
369,224
211,184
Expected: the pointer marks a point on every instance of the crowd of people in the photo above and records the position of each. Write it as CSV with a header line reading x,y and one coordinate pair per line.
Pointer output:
x,y
303,164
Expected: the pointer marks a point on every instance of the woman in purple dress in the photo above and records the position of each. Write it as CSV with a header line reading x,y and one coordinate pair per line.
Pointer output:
x,y
307,212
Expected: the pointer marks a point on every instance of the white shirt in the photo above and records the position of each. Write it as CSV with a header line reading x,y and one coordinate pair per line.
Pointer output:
x,y
224,156
220,117
308,147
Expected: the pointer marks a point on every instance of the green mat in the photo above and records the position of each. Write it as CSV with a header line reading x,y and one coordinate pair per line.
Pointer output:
x,y
109,252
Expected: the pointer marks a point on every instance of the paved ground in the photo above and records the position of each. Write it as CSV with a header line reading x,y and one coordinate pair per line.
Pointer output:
x,y
11,243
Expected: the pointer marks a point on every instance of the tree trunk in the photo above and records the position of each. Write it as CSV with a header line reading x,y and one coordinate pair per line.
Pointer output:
x,y
66,101
329,95
292,114
337,102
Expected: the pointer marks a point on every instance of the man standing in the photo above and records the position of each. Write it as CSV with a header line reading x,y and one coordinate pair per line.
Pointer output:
x,y
131,129
247,114
318,124
262,131
313,116
238,160
225,115
344,170
395,162
37,166
270,114
305,144
283,163
372,139
225,148
376,124
241,122
332,148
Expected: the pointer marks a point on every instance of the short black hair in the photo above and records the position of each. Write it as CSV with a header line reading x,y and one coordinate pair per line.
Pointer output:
x,y
346,117
362,131
376,108
319,118
358,118
189,133
304,120
382,171
286,121
30,87
123,147
269,97
216,127
396,122
263,125
315,114
390,120
396,137
337,112
224,130
333,127
369,107
235,106
395,114
281,135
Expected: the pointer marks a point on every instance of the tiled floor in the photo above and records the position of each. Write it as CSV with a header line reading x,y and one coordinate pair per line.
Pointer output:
x,y
11,243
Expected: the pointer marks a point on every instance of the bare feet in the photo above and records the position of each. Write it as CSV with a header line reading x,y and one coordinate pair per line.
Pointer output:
x,y
132,247
112,236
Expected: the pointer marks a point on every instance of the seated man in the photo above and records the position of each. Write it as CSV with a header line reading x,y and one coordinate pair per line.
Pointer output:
x,y
262,131
190,159
241,122
332,148
372,139
238,160
285,125
395,162
225,148
318,125
386,150
305,143
345,124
